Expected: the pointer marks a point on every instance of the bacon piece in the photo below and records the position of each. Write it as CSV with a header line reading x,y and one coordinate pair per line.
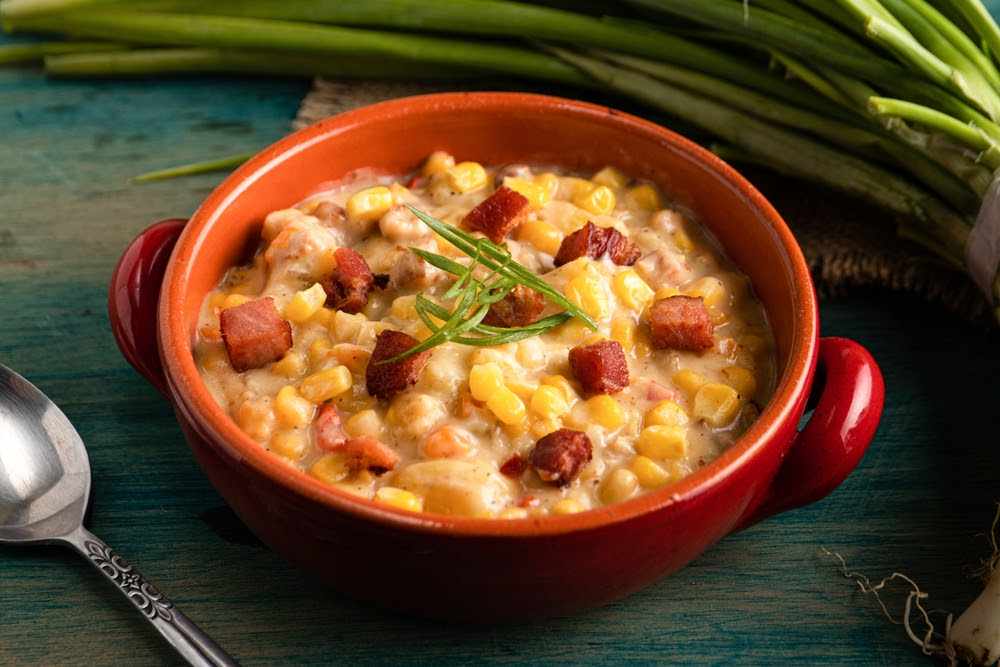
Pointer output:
x,y
601,367
330,434
593,241
254,334
366,452
499,213
384,380
559,457
348,286
514,466
520,307
680,323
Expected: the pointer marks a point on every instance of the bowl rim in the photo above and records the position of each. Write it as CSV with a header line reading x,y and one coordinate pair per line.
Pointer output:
x,y
192,399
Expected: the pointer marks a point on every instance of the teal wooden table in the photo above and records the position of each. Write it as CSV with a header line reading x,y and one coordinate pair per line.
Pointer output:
x,y
920,502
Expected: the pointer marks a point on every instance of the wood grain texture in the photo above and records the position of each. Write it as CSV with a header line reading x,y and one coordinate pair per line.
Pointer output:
x,y
919,503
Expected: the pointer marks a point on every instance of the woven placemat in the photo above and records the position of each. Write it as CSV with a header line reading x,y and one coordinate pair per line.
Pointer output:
x,y
850,246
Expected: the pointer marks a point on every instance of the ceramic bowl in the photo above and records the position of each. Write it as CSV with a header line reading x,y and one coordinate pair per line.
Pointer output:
x,y
483,569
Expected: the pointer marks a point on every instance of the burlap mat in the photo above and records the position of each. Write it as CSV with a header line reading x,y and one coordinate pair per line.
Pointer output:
x,y
850,246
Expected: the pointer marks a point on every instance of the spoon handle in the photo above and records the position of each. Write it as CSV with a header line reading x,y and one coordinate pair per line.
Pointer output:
x,y
190,642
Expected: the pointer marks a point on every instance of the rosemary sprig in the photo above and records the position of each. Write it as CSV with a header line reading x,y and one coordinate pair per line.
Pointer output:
x,y
473,297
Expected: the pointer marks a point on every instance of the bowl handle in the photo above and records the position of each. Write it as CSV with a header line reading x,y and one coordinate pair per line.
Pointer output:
x,y
848,393
133,298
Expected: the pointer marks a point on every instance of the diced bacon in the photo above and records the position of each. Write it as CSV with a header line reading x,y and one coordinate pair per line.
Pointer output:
x,y
559,457
499,213
680,323
384,380
514,466
348,286
254,334
368,453
520,307
593,241
330,435
600,367
659,392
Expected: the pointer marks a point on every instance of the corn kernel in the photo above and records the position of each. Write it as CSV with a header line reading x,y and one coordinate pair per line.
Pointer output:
x,y
404,307
305,303
549,402
567,506
563,385
710,289
521,387
233,300
326,385
619,485
291,365
606,412
716,403
599,200
666,413
530,352
537,195
689,381
506,405
291,409
574,187
369,204
318,349
466,176
623,332
741,380
437,162
572,331
513,513
401,498
288,444
354,357
330,468
542,427
649,473
662,442
610,177
215,300
346,327
548,182
647,197
682,240
631,289
256,418
485,380
540,234
586,294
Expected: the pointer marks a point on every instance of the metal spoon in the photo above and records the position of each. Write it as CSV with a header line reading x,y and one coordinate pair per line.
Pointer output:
x,y
44,490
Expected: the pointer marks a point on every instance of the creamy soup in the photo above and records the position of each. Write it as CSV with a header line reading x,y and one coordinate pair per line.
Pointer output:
x,y
308,345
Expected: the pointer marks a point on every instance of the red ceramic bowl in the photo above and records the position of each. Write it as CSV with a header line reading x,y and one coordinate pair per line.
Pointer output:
x,y
482,569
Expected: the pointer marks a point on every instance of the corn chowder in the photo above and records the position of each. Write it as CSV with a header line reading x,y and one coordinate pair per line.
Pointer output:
x,y
305,345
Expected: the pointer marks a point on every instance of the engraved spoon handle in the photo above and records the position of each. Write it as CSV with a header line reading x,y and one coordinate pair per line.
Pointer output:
x,y
190,642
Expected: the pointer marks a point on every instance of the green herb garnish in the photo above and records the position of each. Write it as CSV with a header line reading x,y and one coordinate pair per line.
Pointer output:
x,y
473,297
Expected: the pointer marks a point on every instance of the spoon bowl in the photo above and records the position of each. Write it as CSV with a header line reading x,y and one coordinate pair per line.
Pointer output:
x,y
44,491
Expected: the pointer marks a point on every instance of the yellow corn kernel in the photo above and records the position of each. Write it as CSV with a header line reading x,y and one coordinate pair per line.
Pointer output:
x,y
404,307
586,294
549,402
256,418
288,444
291,365
716,403
215,300
606,412
610,177
563,385
485,380
513,513
437,162
710,289
689,381
365,422
291,409
466,176
233,300
318,349
647,197
623,332
537,195
399,192
666,413
305,303
754,343
530,352
682,240
346,327
215,360
326,262
354,357
567,506
506,405
631,289
741,380
330,468
522,388
662,442
650,474
572,331
326,385
540,234
574,187
542,427
369,204
599,200
619,485
401,498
